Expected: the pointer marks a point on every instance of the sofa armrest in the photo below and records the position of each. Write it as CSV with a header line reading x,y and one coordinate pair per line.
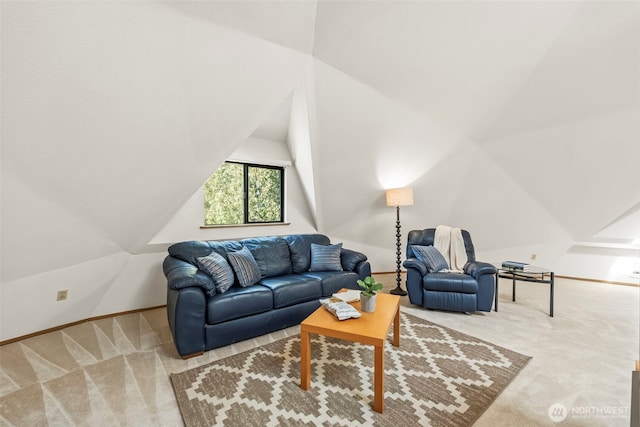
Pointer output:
x,y
350,259
186,310
363,269
416,264
181,274
476,269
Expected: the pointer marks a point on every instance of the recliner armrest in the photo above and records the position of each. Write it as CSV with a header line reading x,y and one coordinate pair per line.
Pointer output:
x,y
477,269
416,264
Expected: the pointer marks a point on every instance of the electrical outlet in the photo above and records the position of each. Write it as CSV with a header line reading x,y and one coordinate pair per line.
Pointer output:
x,y
62,295
533,256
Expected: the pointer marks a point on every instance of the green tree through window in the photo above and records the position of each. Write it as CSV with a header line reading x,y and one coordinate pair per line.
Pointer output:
x,y
239,193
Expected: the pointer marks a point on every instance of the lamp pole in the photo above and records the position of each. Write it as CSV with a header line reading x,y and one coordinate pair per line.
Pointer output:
x,y
399,197
398,290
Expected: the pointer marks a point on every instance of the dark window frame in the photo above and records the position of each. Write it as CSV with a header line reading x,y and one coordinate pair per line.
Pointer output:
x,y
245,193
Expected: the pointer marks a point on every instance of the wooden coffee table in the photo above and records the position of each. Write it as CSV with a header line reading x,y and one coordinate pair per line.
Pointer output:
x,y
371,328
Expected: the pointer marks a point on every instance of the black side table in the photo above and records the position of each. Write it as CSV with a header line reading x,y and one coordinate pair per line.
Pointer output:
x,y
533,274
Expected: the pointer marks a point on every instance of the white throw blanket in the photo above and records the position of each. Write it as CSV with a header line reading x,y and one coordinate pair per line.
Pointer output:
x,y
449,242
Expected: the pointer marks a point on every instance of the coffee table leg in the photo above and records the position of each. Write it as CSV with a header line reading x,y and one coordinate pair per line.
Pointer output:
x,y
396,329
305,361
378,379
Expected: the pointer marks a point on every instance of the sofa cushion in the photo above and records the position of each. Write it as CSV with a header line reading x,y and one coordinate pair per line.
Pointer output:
x,y
225,246
292,289
245,267
450,282
325,257
192,250
271,254
238,302
333,281
432,258
300,249
219,269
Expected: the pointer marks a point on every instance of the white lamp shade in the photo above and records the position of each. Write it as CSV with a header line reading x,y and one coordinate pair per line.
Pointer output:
x,y
400,196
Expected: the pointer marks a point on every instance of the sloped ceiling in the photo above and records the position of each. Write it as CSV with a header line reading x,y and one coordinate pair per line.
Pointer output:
x,y
516,120
123,108
546,93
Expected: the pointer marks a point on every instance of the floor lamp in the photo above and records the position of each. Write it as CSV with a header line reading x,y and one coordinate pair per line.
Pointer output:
x,y
399,197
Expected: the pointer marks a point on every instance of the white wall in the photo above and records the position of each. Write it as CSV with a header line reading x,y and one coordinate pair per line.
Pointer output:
x,y
612,264
29,303
185,224
113,115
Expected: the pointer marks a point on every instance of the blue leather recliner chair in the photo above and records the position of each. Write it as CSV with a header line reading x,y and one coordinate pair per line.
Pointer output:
x,y
469,291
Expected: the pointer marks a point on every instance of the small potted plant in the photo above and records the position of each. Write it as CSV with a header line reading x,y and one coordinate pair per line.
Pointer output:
x,y
368,294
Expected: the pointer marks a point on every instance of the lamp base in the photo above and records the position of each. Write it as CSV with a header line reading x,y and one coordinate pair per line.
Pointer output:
x,y
398,291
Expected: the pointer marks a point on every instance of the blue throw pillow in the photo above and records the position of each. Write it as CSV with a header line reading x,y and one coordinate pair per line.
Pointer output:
x,y
431,257
325,258
245,266
218,268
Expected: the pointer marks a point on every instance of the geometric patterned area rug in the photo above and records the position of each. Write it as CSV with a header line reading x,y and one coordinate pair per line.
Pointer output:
x,y
437,377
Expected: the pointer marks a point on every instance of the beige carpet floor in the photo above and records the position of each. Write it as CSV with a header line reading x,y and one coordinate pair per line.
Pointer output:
x,y
115,371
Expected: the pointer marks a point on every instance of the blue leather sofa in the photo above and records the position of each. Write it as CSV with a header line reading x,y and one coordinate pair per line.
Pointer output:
x,y
472,290
201,319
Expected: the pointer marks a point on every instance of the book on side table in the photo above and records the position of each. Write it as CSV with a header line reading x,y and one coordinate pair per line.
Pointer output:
x,y
515,266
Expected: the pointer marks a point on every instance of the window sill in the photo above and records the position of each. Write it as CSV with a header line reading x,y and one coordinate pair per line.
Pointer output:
x,y
266,224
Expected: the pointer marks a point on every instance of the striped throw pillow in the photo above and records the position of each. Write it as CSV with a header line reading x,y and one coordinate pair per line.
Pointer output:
x,y
325,258
432,258
218,268
245,266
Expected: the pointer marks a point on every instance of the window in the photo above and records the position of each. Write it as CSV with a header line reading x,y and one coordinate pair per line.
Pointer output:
x,y
242,193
